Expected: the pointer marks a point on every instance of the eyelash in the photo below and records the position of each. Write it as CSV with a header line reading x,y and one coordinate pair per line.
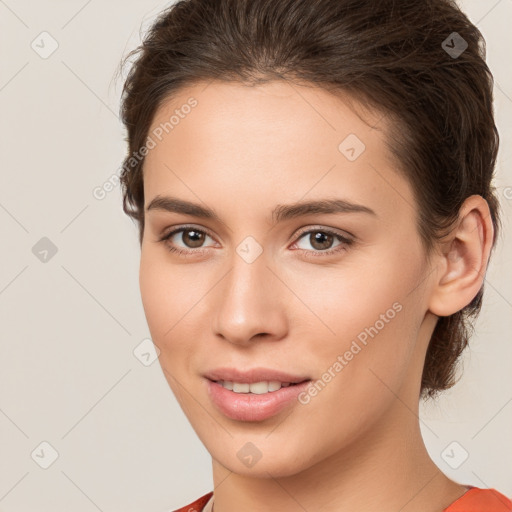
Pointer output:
x,y
345,242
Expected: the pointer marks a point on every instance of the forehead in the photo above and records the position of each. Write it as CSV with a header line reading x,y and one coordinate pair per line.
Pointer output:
x,y
250,143
229,110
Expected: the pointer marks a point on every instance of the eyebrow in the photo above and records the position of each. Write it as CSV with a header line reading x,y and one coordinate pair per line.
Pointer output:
x,y
280,213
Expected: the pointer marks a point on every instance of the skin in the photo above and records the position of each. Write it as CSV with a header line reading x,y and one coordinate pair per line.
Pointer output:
x,y
241,151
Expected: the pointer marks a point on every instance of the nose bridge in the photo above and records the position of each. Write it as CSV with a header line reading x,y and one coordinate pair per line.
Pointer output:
x,y
249,298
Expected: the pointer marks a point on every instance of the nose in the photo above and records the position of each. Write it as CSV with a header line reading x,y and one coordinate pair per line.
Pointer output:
x,y
250,303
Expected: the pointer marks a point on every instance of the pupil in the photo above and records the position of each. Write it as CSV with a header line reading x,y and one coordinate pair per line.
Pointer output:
x,y
197,238
321,240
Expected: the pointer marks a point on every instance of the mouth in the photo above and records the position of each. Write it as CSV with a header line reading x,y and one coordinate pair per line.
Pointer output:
x,y
256,401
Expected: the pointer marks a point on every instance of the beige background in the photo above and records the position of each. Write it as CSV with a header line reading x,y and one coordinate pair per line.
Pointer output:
x,y
69,326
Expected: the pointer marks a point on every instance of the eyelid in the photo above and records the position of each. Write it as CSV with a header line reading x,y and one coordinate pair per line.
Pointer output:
x,y
172,231
318,227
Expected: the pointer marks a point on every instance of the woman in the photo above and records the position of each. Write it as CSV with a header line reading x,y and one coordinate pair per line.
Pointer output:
x,y
312,180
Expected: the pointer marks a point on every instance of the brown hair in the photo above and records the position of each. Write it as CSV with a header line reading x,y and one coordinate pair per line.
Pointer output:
x,y
407,59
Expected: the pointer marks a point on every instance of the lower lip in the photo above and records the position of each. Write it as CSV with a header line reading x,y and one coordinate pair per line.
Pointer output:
x,y
253,407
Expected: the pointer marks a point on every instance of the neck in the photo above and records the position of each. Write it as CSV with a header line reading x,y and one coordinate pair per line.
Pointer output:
x,y
386,470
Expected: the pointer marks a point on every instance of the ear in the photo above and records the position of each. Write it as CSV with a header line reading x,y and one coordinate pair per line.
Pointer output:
x,y
463,258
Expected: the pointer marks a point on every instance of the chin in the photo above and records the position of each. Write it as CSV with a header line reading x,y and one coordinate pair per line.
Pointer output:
x,y
261,458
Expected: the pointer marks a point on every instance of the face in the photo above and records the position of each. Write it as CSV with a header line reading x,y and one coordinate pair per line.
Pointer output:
x,y
335,294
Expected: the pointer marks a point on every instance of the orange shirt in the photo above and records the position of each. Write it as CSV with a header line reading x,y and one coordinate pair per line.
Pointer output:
x,y
481,500
474,500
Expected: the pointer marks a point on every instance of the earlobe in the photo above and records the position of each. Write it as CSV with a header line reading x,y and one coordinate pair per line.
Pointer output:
x,y
463,261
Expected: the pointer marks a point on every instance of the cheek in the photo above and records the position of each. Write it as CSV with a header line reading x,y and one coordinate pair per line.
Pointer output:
x,y
165,306
168,292
363,366
155,292
172,297
366,322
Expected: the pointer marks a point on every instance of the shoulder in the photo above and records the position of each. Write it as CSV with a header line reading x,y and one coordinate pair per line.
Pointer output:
x,y
474,500
196,506
481,500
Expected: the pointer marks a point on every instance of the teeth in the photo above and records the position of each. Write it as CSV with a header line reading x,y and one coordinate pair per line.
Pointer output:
x,y
240,388
258,388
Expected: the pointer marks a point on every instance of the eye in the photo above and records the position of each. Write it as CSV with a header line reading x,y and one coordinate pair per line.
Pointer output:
x,y
191,237
321,240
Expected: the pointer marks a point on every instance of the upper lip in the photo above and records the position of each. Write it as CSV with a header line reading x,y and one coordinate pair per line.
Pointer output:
x,y
253,375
